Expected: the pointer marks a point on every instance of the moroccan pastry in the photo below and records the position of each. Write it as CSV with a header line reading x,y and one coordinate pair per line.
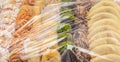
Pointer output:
x,y
8,13
44,33
107,58
104,31
102,28
100,16
108,9
35,49
46,21
25,14
51,55
3,54
15,51
104,34
106,49
106,21
102,41
103,3
28,2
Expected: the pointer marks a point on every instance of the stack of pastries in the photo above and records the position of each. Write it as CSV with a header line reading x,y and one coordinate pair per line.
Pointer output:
x,y
8,14
53,31
104,31
35,41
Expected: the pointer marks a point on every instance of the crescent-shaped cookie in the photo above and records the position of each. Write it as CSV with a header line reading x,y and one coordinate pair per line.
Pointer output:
x,y
105,3
106,49
100,16
102,41
108,9
102,28
104,34
110,58
111,22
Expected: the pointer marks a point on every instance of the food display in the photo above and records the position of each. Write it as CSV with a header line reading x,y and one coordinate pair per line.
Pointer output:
x,y
104,31
59,31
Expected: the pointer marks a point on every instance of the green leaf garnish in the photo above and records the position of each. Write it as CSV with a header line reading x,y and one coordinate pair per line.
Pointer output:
x,y
66,35
63,27
68,13
65,45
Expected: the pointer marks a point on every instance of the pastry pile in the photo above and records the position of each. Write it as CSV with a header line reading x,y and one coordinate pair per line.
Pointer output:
x,y
104,31
59,31
35,39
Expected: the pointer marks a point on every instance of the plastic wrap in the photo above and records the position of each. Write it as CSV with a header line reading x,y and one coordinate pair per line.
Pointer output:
x,y
59,31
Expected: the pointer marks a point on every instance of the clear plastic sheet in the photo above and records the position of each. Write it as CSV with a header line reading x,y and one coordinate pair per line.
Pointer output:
x,y
59,31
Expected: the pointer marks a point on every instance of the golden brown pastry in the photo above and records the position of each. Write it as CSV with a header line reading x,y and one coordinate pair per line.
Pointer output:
x,y
28,2
25,14
15,51
51,55
40,35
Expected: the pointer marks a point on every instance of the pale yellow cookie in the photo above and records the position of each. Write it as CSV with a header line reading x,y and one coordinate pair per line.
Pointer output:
x,y
104,34
100,16
108,9
104,3
102,28
102,41
106,49
98,23
110,58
